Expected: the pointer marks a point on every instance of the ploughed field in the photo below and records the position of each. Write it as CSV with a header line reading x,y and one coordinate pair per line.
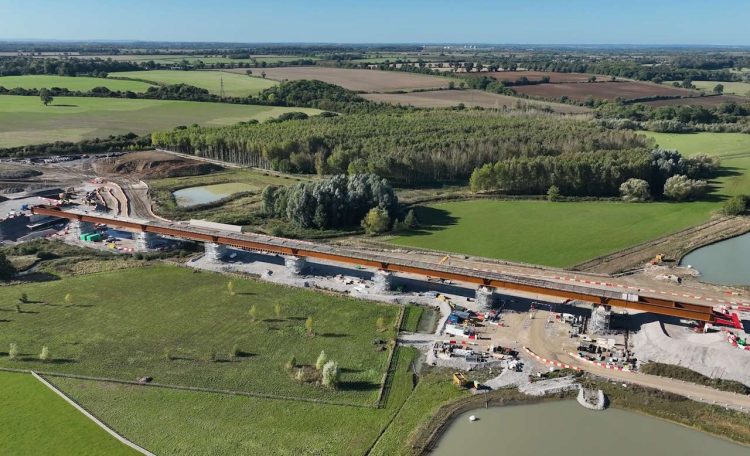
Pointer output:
x,y
235,85
24,120
185,328
552,234
627,90
356,80
38,421
478,98
77,83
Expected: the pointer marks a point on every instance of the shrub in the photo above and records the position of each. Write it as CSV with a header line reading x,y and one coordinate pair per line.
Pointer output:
x,y
309,326
253,312
45,355
230,288
291,363
331,374
6,268
735,205
410,221
234,353
24,298
680,188
376,221
635,190
68,299
553,193
13,351
322,359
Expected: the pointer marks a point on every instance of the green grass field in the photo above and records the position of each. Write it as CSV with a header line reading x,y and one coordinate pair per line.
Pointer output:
x,y
736,88
172,422
78,83
25,120
37,421
732,148
553,234
168,322
235,85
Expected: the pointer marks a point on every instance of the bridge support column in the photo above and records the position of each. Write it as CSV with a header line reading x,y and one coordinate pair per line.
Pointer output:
x,y
144,241
600,316
77,228
296,265
215,252
485,298
382,281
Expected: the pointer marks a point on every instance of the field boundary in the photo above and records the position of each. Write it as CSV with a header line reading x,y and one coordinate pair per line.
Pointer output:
x,y
90,416
197,389
390,368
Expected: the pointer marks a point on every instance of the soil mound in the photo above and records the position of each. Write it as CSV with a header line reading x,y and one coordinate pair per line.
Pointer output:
x,y
154,165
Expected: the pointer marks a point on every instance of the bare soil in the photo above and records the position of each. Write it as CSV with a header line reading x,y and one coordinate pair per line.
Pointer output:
x,y
627,90
153,164
357,80
478,98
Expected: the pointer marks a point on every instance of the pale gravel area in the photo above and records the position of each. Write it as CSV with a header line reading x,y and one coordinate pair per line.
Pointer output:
x,y
710,354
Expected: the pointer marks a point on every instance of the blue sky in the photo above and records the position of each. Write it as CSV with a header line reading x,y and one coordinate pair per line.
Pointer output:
x,y
383,21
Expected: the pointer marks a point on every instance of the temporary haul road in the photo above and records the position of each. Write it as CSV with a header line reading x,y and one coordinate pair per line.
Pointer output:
x,y
612,296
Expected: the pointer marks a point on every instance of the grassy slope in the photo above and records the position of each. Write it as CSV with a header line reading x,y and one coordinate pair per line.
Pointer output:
x,y
37,421
554,234
25,120
186,423
80,83
123,323
736,88
237,85
732,148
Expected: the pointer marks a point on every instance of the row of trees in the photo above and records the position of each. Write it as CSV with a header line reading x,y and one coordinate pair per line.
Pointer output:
x,y
409,147
724,113
335,202
630,173
16,66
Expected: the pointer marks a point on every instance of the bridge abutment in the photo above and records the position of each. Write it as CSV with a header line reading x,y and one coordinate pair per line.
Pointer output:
x,y
296,265
77,228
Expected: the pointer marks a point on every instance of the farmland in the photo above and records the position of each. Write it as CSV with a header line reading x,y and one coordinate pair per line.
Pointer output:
x,y
512,76
235,85
25,120
474,98
552,234
112,329
734,88
37,421
707,101
78,83
209,59
627,90
357,80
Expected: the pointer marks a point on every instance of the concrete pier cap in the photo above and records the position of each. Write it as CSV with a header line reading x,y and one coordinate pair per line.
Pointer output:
x,y
295,264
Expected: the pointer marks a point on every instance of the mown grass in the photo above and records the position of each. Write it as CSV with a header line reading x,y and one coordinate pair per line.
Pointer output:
x,y
182,328
78,83
25,120
552,234
235,85
412,315
171,422
37,421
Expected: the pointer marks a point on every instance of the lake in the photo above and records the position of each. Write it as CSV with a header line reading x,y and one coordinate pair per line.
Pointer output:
x,y
726,262
194,196
564,428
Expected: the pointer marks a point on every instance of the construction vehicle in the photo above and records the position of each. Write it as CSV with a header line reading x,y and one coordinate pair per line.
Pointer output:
x,y
460,380
658,259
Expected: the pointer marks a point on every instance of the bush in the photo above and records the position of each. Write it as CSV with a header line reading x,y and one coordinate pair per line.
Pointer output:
x,y
331,374
376,221
45,355
322,359
410,221
13,351
680,188
553,193
736,205
633,190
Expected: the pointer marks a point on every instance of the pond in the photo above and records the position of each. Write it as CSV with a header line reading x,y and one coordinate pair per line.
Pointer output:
x,y
725,263
564,428
193,196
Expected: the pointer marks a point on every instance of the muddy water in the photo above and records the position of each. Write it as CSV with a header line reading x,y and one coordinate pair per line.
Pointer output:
x,y
726,262
193,196
564,428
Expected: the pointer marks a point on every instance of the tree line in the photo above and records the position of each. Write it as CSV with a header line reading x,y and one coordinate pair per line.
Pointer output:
x,y
406,146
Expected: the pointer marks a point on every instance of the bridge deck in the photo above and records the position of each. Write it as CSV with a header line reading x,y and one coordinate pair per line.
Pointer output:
x,y
614,297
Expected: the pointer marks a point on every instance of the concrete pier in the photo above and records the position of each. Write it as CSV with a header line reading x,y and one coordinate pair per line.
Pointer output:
x,y
485,298
215,252
600,317
295,265
77,228
144,241
382,281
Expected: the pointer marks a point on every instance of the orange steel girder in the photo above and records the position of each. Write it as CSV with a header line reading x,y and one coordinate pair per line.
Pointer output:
x,y
644,303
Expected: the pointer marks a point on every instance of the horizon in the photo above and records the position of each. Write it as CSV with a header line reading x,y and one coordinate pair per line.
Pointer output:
x,y
545,23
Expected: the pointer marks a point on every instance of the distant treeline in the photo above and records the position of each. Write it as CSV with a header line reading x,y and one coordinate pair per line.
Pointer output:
x,y
129,141
17,66
408,147
724,113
